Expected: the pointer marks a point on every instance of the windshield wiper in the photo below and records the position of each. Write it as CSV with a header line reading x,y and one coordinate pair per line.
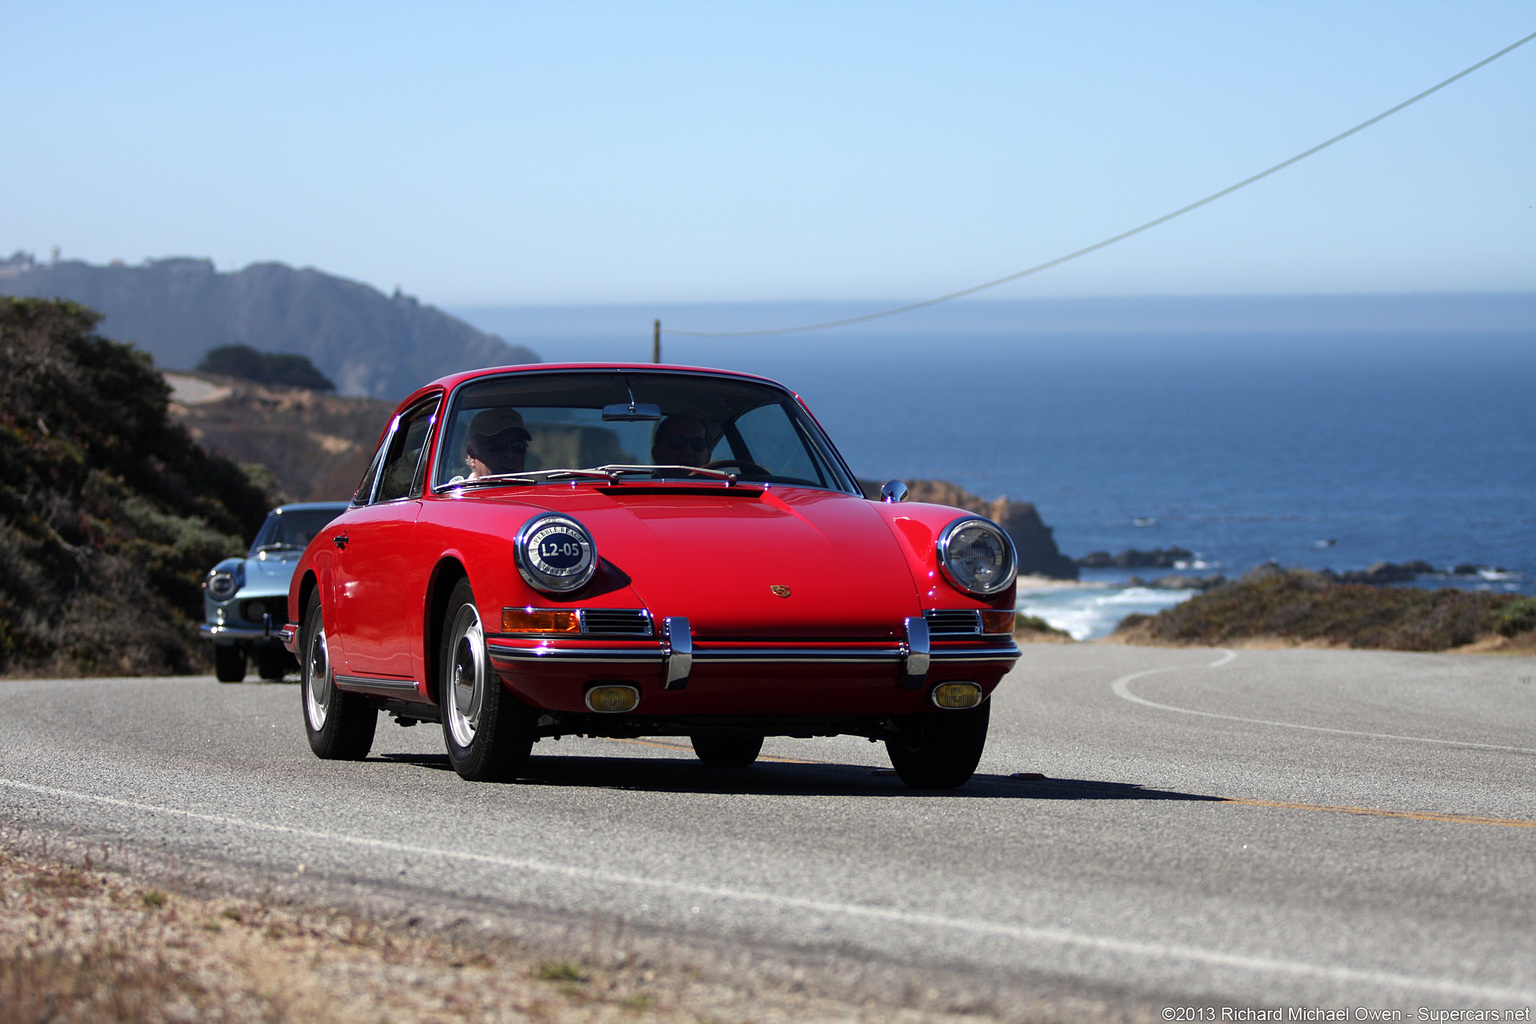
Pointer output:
x,y
650,471
280,546
496,479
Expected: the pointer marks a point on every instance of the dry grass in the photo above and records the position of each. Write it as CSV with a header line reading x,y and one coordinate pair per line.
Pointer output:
x,y
79,944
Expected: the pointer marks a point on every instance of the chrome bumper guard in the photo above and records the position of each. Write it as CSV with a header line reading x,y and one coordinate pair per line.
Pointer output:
x,y
677,655
217,633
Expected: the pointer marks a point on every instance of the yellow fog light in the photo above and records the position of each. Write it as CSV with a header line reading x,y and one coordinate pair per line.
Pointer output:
x,y
613,698
539,620
997,622
956,695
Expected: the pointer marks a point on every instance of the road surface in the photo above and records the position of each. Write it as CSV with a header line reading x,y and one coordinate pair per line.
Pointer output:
x,y
1151,830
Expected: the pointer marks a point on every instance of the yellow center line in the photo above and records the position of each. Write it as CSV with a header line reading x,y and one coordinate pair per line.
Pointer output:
x,y
1463,819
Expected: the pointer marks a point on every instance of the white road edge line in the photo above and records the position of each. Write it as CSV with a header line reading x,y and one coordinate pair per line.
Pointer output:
x,y
1042,936
1122,688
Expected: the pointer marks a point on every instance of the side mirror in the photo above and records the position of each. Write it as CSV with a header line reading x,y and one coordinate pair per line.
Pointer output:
x,y
893,490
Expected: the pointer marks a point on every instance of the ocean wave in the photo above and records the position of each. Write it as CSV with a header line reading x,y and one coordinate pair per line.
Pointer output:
x,y
1087,613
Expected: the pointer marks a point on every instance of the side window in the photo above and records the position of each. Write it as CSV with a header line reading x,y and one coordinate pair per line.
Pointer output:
x,y
364,492
398,470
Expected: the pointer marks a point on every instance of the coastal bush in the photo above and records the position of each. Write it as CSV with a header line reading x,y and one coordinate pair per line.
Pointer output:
x,y
1301,607
286,368
109,512
1518,616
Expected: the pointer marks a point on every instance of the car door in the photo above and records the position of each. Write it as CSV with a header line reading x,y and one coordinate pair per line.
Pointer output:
x,y
378,584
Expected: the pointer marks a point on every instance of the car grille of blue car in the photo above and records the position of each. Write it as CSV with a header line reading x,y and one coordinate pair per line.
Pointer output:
x,y
254,609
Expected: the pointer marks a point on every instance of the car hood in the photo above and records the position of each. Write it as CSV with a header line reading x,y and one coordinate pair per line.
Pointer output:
x,y
269,575
753,563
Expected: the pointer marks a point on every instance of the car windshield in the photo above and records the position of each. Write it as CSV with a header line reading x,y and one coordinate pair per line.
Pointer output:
x,y
291,529
631,425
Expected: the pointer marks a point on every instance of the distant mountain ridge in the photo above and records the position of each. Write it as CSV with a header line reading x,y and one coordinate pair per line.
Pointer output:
x,y
177,309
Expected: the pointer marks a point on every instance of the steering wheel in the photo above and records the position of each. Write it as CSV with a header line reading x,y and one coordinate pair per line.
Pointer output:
x,y
744,465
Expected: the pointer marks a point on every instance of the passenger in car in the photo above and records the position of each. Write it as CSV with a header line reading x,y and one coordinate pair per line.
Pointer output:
x,y
498,443
680,441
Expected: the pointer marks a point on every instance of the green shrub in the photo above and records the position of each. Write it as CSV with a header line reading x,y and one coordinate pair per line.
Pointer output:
x,y
1300,606
109,512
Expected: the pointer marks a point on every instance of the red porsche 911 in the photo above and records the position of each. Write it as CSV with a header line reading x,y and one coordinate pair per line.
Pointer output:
x,y
640,550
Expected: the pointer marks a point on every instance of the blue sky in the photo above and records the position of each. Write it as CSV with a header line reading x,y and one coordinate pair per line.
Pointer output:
x,y
507,153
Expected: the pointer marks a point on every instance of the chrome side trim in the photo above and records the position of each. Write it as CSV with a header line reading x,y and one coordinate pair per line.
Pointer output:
x,y
679,638
379,687
915,662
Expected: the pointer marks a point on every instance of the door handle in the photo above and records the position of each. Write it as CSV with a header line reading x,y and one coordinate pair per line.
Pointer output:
x,y
340,540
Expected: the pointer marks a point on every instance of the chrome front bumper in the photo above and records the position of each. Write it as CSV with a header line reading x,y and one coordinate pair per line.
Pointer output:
x,y
230,634
676,653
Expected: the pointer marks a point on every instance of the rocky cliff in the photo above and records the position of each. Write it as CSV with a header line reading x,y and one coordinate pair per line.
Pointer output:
x,y
369,343
1038,554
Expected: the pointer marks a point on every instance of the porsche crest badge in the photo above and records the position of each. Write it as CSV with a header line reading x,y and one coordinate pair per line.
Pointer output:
x,y
779,590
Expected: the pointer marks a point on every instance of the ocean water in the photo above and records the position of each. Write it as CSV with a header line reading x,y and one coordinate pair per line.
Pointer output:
x,y
1308,455
1313,450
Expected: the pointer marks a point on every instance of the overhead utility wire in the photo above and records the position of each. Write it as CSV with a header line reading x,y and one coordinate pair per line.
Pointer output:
x,y
1117,238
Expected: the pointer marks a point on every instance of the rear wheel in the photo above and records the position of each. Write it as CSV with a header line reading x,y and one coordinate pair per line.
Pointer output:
x,y
488,732
939,750
228,663
727,750
340,725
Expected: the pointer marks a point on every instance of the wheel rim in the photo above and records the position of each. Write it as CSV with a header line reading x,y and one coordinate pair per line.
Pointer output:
x,y
467,676
317,680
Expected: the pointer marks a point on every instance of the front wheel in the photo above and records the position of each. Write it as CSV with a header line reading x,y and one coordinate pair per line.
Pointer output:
x,y
940,749
488,733
340,725
727,750
228,663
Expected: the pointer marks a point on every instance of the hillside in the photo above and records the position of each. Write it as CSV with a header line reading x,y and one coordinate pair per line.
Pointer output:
x,y
370,344
311,446
110,513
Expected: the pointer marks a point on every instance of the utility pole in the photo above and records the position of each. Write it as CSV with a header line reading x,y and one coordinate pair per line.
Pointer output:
x,y
656,343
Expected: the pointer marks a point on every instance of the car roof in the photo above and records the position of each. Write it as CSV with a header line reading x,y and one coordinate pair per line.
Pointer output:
x,y
453,380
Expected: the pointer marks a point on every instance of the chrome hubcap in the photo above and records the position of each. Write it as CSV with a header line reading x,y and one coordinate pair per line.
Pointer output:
x,y
467,677
317,681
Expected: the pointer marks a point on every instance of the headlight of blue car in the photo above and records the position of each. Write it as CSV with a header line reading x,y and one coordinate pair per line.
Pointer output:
x,y
224,584
976,556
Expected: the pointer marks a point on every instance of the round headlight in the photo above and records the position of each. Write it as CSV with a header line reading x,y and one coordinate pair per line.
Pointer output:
x,y
223,585
555,553
977,556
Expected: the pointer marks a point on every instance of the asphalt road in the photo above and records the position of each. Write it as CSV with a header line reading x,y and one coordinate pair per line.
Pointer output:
x,y
1149,828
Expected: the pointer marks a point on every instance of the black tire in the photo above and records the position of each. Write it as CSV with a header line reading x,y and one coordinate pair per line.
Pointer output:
x,y
228,663
939,750
273,663
487,731
340,725
727,750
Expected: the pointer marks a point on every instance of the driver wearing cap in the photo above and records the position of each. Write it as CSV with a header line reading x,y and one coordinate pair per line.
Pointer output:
x,y
498,443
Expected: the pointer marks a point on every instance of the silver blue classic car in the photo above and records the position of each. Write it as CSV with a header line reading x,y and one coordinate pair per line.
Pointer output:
x,y
245,600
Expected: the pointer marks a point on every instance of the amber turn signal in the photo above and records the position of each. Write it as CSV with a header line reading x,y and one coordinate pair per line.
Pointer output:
x,y
997,622
539,620
613,698
956,695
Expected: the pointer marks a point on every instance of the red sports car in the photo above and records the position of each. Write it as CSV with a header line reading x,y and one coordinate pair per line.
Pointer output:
x,y
640,550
